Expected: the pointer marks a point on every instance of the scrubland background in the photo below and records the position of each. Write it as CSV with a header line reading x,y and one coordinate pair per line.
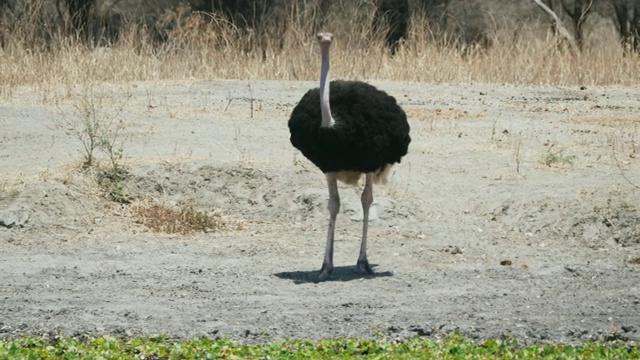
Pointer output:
x,y
462,42
148,185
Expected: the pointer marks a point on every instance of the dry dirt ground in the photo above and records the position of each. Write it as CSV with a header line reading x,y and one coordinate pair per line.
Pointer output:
x,y
515,212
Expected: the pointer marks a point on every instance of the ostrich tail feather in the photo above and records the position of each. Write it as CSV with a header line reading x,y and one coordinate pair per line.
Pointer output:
x,y
353,177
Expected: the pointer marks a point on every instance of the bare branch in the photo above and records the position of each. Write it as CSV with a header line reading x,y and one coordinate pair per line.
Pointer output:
x,y
561,31
624,175
585,14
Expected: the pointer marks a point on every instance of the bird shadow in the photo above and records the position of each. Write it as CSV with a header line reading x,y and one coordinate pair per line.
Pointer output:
x,y
339,273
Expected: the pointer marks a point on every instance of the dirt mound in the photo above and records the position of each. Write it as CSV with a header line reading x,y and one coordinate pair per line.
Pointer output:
x,y
255,194
43,205
592,224
242,192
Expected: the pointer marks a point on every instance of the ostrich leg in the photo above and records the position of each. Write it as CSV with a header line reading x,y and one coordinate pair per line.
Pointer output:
x,y
334,207
367,199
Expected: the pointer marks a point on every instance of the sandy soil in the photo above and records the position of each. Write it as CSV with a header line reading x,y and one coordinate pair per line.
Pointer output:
x,y
515,212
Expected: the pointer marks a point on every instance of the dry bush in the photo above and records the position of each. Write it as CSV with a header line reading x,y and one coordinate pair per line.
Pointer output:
x,y
183,220
29,26
207,47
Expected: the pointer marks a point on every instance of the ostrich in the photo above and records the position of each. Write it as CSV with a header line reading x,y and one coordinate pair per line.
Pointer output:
x,y
356,130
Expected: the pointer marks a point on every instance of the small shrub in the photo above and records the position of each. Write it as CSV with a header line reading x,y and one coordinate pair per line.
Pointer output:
x,y
111,181
98,126
183,220
558,158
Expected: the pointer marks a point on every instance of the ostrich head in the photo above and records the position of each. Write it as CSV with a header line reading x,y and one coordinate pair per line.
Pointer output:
x,y
324,39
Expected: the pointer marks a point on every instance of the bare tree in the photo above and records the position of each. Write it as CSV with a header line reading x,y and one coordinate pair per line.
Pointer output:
x,y
79,13
628,16
35,22
86,23
577,10
394,15
261,23
462,23
561,32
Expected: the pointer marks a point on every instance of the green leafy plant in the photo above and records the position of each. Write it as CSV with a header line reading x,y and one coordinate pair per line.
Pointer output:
x,y
558,158
453,347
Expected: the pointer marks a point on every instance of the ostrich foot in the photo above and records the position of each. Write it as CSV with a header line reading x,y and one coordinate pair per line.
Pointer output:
x,y
325,272
364,268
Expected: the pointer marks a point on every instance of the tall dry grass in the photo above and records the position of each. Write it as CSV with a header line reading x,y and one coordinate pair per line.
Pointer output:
x,y
209,48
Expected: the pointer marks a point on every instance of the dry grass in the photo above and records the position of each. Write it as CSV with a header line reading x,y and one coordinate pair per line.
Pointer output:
x,y
207,48
184,220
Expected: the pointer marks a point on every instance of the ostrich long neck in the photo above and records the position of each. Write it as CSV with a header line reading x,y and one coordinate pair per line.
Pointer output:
x,y
327,120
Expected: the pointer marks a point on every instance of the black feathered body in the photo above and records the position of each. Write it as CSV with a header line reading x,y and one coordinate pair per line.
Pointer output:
x,y
370,131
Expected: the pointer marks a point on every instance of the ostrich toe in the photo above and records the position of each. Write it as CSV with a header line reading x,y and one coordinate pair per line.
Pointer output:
x,y
364,268
325,272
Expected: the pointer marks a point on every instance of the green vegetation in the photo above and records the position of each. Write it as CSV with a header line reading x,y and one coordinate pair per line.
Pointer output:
x,y
558,158
453,347
98,125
